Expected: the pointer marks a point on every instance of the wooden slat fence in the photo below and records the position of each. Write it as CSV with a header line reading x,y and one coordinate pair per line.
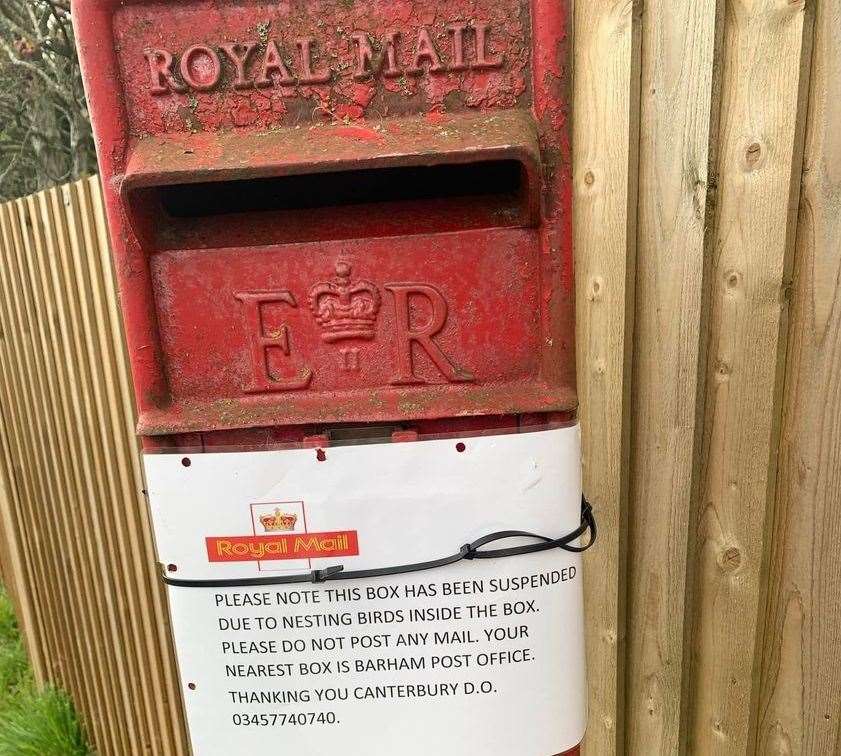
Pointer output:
x,y
707,170
80,561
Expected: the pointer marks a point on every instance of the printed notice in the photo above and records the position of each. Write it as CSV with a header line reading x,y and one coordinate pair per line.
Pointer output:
x,y
482,656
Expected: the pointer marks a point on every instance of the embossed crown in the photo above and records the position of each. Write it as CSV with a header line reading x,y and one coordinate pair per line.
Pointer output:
x,y
343,308
278,521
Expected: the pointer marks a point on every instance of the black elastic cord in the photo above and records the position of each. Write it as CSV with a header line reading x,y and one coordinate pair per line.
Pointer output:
x,y
469,551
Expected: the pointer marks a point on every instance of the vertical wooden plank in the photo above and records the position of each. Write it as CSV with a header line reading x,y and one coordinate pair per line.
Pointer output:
x,y
605,140
677,124
9,574
800,698
765,53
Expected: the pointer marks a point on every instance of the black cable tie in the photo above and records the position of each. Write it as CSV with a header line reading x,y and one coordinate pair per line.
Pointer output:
x,y
321,576
468,551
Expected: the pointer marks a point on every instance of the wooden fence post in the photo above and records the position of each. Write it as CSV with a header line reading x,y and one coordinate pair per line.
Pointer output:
x,y
765,49
800,698
606,76
678,119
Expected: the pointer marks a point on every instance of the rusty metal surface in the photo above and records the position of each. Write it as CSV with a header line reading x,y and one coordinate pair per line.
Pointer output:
x,y
336,311
418,326
326,147
260,65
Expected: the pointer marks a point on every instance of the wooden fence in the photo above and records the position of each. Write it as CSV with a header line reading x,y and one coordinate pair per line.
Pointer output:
x,y
707,149
75,536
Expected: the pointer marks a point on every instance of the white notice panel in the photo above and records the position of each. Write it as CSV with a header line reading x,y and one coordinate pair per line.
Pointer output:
x,y
485,656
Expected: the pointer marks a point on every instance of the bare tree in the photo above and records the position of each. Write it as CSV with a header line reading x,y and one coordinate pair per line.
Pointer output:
x,y
45,133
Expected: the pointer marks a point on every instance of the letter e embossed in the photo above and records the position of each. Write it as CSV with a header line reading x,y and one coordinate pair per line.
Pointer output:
x,y
262,345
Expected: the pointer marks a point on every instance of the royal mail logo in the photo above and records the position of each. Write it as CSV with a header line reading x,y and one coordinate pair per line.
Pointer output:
x,y
279,534
337,543
278,521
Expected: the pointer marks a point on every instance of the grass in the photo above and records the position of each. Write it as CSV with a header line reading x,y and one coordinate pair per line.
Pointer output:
x,y
32,722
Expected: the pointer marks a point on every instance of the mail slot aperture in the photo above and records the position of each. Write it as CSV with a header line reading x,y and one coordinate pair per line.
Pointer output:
x,y
395,200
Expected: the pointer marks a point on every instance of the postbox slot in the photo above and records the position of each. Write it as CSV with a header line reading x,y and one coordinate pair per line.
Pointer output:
x,y
398,177
498,181
386,201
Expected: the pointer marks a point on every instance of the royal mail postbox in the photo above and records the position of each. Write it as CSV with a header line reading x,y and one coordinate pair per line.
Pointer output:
x,y
341,230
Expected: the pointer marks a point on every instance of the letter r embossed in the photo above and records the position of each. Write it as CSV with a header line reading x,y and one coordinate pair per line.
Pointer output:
x,y
407,334
161,64
262,344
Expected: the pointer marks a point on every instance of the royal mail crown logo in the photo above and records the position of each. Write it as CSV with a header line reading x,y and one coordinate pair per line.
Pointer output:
x,y
343,308
279,521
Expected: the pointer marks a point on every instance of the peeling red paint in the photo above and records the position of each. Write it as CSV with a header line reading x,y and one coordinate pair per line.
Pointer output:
x,y
330,25
470,81
357,132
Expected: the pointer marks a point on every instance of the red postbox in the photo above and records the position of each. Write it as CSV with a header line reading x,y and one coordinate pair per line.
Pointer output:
x,y
337,222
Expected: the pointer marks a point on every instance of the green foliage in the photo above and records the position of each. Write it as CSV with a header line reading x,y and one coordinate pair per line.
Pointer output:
x,y
8,622
32,722
14,666
41,724
14,671
45,134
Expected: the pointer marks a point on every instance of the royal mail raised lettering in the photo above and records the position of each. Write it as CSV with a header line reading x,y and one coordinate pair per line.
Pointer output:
x,y
287,62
